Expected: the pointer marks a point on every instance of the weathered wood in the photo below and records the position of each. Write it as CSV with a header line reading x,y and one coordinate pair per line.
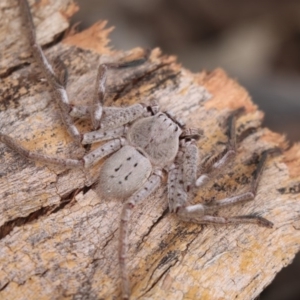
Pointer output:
x,y
59,240
51,19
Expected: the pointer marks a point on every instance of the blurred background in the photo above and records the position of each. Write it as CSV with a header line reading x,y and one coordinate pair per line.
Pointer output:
x,y
256,42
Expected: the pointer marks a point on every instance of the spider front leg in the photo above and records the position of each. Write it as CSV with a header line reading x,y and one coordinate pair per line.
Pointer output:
x,y
144,192
57,83
87,161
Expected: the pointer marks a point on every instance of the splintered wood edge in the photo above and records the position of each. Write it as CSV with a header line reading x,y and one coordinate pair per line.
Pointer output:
x,y
206,263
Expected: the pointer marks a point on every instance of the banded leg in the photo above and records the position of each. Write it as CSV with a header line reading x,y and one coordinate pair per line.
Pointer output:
x,y
199,213
213,166
190,164
87,161
100,135
182,173
177,196
149,187
57,84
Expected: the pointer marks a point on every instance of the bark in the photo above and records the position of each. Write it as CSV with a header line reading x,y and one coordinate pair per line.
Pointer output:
x,y
59,240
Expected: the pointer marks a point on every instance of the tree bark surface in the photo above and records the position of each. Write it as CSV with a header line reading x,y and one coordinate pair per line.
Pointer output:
x,y
59,239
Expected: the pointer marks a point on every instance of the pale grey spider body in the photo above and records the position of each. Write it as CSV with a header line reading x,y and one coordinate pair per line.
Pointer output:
x,y
144,144
152,145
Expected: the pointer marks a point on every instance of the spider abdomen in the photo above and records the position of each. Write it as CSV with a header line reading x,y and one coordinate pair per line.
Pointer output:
x,y
123,173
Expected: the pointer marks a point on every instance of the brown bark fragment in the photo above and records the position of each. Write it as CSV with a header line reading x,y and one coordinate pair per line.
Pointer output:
x,y
95,38
58,239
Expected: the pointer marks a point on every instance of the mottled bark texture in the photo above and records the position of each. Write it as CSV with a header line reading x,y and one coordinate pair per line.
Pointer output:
x,y
59,239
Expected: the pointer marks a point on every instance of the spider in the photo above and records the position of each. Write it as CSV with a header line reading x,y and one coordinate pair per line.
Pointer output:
x,y
143,145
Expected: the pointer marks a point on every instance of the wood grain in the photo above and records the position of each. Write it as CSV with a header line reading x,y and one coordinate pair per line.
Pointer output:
x,y
59,239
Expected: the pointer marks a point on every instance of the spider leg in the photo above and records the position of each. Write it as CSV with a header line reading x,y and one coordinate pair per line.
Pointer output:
x,y
114,117
99,93
248,196
195,214
177,196
199,213
57,83
213,166
189,164
100,135
61,71
83,111
94,156
182,173
148,188
87,161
